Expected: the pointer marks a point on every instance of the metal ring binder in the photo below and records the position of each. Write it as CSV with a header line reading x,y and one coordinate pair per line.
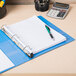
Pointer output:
x,y
19,43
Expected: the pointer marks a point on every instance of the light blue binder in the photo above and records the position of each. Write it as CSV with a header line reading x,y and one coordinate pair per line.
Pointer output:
x,y
17,56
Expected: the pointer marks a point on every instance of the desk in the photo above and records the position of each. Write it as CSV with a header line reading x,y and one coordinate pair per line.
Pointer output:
x,y
60,60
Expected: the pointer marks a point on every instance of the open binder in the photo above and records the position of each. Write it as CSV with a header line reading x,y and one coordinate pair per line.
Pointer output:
x,y
17,52
33,35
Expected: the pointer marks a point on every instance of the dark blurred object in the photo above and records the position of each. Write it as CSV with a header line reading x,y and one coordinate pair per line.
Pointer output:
x,y
2,11
42,5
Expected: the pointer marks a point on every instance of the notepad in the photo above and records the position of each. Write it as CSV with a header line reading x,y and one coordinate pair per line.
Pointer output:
x,y
5,62
32,32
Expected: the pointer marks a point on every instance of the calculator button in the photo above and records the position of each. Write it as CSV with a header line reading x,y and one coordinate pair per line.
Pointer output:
x,y
61,14
53,13
50,12
56,13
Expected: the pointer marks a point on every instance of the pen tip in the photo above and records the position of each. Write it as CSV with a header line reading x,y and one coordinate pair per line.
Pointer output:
x,y
53,39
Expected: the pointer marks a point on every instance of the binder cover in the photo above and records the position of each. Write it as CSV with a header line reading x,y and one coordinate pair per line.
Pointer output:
x,y
17,56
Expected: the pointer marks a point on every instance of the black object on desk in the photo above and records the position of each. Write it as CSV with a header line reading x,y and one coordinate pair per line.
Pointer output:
x,y
3,11
42,5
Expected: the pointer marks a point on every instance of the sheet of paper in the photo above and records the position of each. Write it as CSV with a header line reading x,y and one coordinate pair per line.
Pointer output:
x,y
33,33
5,63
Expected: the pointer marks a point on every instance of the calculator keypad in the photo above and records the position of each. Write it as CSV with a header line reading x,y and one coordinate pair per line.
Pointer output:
x,y
56,13
53,13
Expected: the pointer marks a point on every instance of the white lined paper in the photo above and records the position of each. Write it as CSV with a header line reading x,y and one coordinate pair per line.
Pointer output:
x,y
32,32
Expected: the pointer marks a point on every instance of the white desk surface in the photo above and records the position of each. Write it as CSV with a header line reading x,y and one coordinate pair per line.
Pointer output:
x,y
60,60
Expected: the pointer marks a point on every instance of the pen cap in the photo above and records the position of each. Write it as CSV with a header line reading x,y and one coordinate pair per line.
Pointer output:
x,y
3,11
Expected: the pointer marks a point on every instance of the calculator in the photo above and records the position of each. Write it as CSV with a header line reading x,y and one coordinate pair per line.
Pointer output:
x,y
58,10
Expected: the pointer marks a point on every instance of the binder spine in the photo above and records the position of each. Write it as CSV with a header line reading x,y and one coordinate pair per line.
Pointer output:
x,y
17,41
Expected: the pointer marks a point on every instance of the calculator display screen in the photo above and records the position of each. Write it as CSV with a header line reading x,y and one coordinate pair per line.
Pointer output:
x,y
61,5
